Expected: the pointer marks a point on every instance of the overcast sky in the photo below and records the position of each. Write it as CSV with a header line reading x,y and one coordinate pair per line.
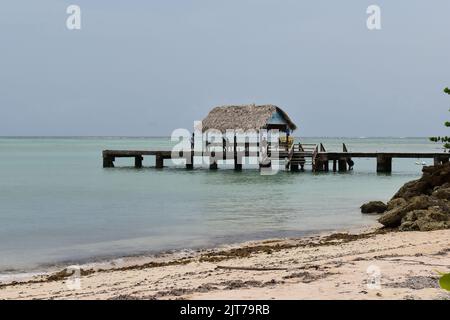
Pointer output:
x,y
147,67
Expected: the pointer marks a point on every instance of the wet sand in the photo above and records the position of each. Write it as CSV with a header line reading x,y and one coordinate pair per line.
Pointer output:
x,y
370,264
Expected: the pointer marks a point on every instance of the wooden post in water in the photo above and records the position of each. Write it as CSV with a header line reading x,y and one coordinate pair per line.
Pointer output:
x,y
190,160
108,162
213,161
440,160
247,149
159,161
324,159
342,164
322,164
138,161
345,161
294,167
238,164
384,163
237,158
224,149
437,161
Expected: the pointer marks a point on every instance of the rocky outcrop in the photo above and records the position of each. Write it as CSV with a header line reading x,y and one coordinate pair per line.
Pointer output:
x,y
374,207
433,176
422,204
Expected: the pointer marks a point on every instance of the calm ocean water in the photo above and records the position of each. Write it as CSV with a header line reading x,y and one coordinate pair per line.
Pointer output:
x,y
57,203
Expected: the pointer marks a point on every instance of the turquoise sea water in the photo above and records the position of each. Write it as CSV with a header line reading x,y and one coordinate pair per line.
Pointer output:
x,y
57,203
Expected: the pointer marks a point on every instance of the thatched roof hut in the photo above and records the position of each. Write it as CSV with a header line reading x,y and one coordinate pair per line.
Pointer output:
x,y
248,117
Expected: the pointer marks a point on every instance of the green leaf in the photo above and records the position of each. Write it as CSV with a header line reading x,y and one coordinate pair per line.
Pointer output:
x,y
444,140
444,282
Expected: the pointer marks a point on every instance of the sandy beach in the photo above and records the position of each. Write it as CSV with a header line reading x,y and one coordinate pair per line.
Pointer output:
x,y
370,264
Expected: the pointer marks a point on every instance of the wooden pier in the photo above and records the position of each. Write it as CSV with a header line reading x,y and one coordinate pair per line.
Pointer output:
x,y
384,159
296,157
110,155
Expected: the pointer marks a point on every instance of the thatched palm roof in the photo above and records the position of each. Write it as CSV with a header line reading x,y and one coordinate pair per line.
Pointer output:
x,y
245,117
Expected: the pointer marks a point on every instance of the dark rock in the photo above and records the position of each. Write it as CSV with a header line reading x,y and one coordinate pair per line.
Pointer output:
x,y
394,203
393,218
409,226
432,225
374,207
422,204
432,177
433,218
442,193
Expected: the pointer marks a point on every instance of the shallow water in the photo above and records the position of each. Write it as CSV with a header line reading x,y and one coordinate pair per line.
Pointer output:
x,y
58,204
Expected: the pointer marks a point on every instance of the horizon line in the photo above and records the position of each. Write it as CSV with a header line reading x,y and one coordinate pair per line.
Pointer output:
x,y
168,136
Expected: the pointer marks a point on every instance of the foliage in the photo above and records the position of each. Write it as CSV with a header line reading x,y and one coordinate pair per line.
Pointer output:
x,y
444,281
446,139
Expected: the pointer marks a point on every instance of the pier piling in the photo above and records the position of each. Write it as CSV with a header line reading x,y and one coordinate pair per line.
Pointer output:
x,y
342,165
159,161
138,161
108,162
189,160
213,161
384,163
320,160
440,160
237,163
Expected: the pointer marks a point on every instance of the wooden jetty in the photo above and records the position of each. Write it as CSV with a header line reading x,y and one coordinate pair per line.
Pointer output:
x,y
267,122
295,158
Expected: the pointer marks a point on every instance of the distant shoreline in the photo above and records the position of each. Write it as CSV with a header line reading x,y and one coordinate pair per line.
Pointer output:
x,y
168,137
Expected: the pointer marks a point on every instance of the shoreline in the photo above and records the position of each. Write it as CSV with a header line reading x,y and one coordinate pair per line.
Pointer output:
x,y
134,259
141,257
331,265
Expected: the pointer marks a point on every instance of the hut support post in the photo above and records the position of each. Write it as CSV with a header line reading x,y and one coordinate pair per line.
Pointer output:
x,y
334,165
238,163
237,157
224,149
138,161
190,160
384,164
213,164
213,161
294,167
